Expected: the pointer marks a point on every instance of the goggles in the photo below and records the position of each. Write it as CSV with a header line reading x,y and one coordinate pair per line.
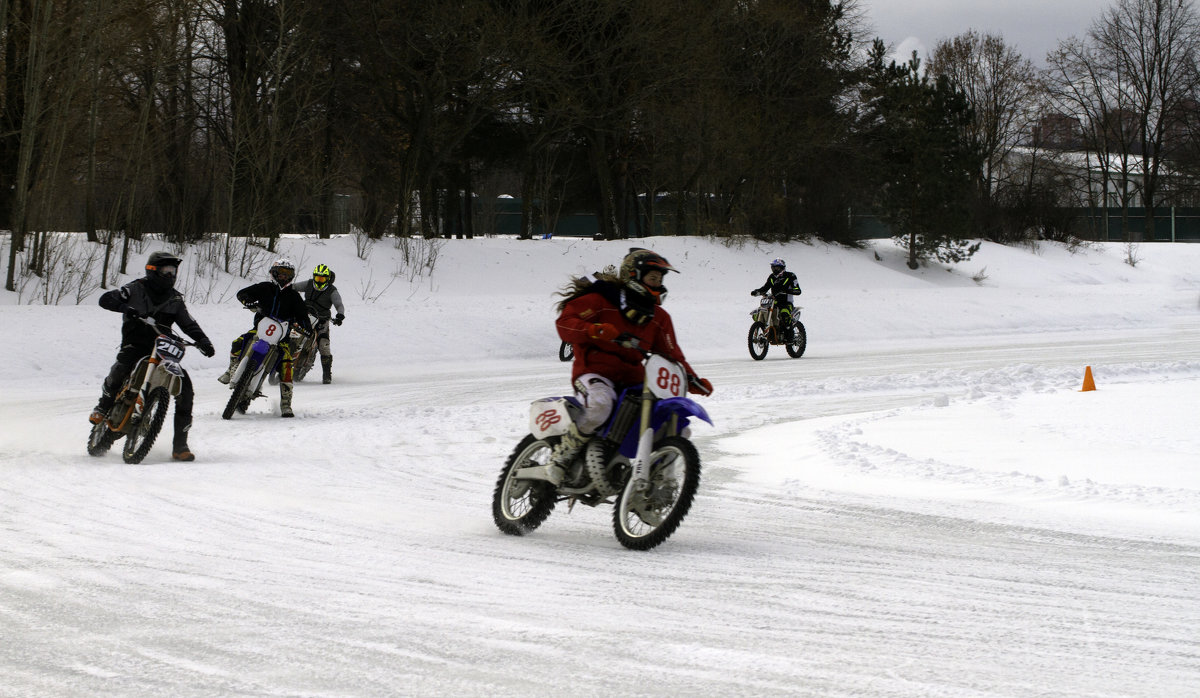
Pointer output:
x,y
168,270
282,274
320,278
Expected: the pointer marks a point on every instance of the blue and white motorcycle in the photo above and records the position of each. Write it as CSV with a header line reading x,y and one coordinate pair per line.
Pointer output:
x,y
258,361
641,461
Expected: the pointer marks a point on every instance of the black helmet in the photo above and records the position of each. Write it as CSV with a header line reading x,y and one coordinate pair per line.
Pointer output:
x,y
637,264
283,271
161,270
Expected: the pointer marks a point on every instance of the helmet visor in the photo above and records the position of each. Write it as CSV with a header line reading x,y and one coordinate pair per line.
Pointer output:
x,y
283,274
163,269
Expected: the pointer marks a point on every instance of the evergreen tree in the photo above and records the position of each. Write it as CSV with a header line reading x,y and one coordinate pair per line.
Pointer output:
x,y
925,160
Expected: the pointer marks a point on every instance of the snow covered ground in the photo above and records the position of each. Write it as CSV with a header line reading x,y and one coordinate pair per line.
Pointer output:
x,y
925,504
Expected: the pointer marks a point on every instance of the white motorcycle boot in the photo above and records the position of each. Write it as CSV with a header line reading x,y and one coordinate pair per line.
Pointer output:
x,y
285,400
228,374
572,442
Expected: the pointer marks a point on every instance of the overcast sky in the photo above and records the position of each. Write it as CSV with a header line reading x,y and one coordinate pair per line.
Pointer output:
x,y
1032,27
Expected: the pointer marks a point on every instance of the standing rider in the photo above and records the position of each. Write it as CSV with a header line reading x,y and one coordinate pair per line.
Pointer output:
x,y
321,297
152,297
781,285
604,320
277,299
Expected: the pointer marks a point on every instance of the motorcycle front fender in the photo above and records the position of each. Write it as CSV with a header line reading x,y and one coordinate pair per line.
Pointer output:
x,y
661,413
251,360
684,407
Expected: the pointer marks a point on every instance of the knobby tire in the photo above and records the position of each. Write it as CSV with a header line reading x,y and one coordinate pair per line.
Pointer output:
x,y
139,442
518,513
797,342
239,390
666,496
101,438
757,342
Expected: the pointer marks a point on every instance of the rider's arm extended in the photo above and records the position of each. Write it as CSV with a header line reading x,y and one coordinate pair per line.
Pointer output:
x,y
188,324
130,297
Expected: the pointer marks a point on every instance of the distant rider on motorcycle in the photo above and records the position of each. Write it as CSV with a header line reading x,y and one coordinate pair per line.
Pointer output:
x,y
278,299
781,284
154,297
604,319
321,297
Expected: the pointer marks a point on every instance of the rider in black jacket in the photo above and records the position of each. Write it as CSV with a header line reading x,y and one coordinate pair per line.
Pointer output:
x,y
152,297
278,299
781,284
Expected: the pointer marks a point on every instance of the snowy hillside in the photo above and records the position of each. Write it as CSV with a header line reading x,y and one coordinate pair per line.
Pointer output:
x,y
924,504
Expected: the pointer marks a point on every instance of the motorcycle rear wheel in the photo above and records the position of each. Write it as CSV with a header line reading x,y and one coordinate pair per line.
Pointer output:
x,y
101,439
796,341
643,520
757,341
141,439
305,360
520,506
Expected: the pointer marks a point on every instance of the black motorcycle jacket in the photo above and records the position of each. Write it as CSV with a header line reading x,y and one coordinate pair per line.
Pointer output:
x,y
282,303
139,299
780,284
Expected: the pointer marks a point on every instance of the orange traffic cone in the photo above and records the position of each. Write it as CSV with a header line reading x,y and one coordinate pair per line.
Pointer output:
x,y
1088,383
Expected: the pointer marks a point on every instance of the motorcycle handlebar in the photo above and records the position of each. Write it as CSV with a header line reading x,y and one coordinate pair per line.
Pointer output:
x,y
165,329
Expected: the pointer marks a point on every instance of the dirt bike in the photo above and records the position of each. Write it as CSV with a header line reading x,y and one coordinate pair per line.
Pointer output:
x,y
306,347
641,461
766,330
259,361
566,351
141,405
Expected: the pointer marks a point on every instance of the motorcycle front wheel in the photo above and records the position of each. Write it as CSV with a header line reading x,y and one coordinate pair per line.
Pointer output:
x,y
141,439
796,340
520,506
566,351
240,390
101,439
643,520
757,341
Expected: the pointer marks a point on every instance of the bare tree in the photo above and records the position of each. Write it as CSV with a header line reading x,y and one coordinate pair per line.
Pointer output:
x,y
1132,76
1001,87
1083,82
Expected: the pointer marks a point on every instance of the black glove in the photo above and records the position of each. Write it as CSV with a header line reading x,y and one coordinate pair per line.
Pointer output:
x,y
132,313
754,292
628,341
338,320
250,305
206,347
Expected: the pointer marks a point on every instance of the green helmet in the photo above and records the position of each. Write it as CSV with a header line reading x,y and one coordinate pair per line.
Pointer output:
x,y
322,276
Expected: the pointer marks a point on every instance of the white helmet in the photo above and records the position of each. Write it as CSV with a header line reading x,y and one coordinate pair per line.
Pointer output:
x,y
283,271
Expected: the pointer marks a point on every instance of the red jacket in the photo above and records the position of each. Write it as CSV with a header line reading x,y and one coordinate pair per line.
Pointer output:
x,y
619,364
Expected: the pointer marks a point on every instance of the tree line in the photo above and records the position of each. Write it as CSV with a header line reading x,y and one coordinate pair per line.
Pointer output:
x,y
772,118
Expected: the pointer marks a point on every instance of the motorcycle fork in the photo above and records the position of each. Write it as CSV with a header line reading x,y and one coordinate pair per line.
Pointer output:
x,y
139,403
641,462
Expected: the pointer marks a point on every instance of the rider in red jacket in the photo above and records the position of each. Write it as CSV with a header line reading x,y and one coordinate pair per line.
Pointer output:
x,y
604,319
